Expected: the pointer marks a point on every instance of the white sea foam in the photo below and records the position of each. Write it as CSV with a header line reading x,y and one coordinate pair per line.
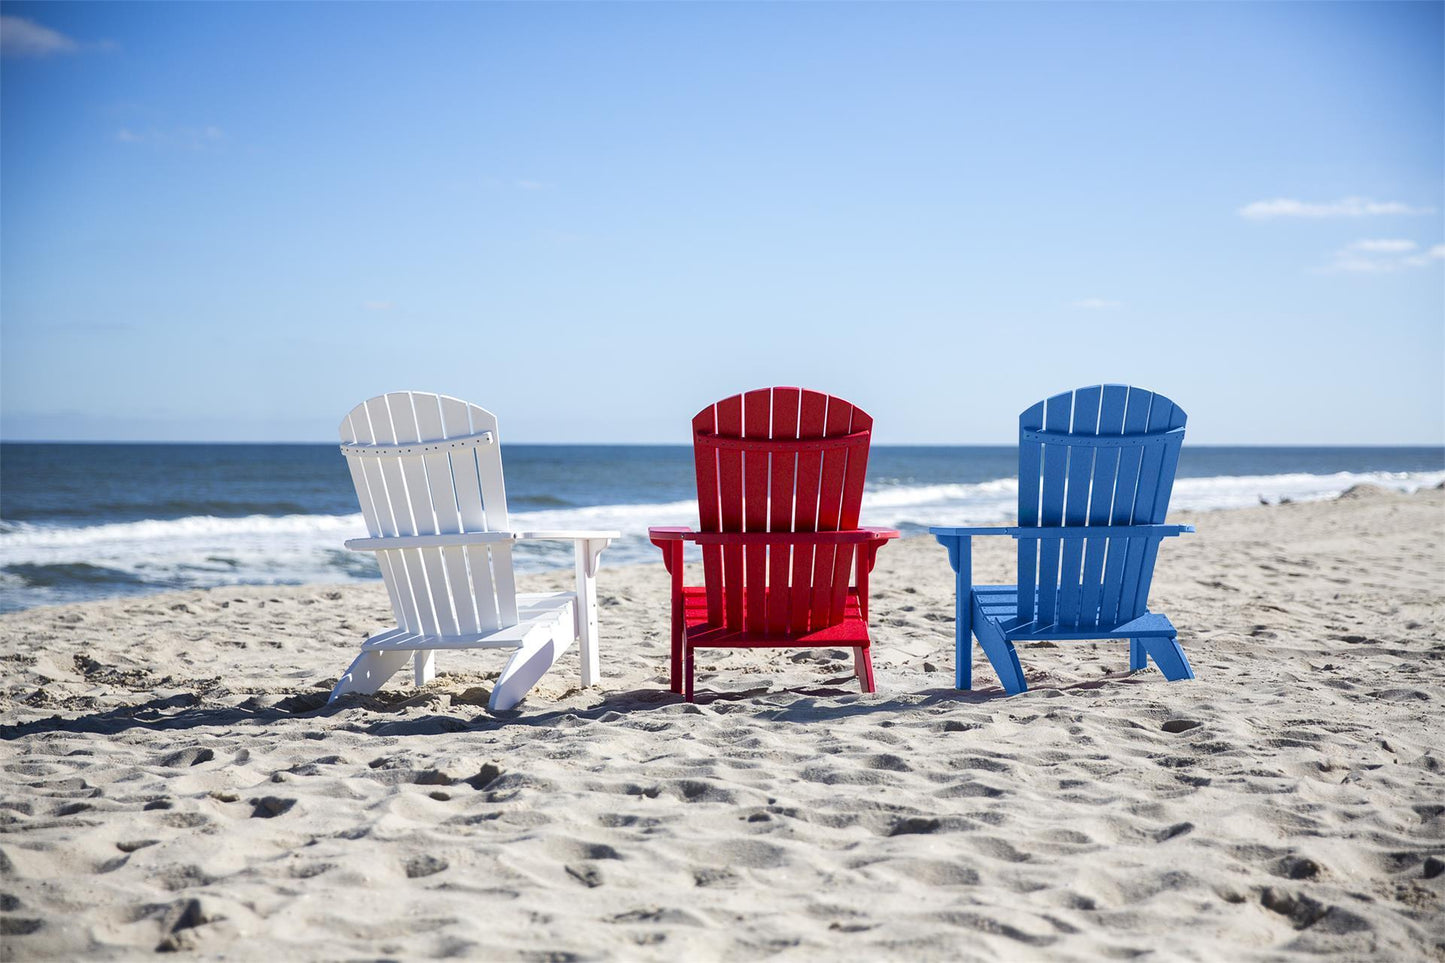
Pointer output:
x,y
207,551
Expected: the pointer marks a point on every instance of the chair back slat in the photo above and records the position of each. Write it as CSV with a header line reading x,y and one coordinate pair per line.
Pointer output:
x,y
784,460
1101,500
1126,485
434,490
1073,473
1076,503
757,423
441,492
456,422
1058,411
782,486
376,511
1031,459
730,499
812,423
488,465
709,507
423,515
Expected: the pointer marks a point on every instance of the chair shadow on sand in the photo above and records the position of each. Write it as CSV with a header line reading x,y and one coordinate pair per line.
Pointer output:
x,y
810,703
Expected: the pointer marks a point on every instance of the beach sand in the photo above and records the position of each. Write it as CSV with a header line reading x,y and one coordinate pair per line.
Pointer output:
x,y
171,778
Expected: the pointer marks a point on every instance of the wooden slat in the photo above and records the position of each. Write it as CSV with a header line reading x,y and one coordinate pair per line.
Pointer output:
x,y
1106,471
781,479
1169,464
494,503
1058,412
730,504
812,416
1139,565
1136,418
709,514
456,421
1076,503
757,423
856,473
839,421
423,516
1030,468
421,609
442,489
1131,604
356,429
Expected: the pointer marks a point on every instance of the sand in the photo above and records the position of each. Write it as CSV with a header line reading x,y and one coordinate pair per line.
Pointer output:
x,y
170,778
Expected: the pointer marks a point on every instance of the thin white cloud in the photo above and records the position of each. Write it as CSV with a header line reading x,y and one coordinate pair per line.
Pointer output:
x,y
527,185
20,37
1436,253
186,138
378,305
1344,207
1381,256
1097,304
1383,246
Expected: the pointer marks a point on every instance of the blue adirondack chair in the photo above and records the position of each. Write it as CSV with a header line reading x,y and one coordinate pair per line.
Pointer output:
x,y
1096,466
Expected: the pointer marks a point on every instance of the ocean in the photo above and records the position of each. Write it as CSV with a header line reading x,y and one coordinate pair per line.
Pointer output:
x,y
87,521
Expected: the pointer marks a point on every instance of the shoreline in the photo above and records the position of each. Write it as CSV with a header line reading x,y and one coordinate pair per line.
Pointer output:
x,y
176,781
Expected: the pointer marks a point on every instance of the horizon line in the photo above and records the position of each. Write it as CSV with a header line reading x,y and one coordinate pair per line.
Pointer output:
x,y
672,444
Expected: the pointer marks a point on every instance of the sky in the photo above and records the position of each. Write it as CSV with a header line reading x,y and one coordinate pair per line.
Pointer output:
x,y
235,221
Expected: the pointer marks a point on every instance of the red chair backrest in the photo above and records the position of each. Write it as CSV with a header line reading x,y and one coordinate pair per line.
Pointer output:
x,y
779,460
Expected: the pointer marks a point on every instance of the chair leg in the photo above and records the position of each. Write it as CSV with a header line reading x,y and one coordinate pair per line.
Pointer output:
x,y
369,672
1138,659
424,666
528,664
675,658
1001,656
863,667
963,658
687,671
1169,656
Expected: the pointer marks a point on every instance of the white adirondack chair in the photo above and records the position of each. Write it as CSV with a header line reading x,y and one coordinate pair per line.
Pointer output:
x,y
428,474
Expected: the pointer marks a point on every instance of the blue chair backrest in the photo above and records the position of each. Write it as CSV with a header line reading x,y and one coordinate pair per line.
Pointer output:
x,y
1103,455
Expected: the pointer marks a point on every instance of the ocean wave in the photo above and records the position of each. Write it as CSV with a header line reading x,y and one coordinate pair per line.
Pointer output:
x,y
201,551
171,509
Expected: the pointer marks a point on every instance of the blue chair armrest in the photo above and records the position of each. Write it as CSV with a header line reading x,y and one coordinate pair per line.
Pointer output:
x,y
940,531
1101,531
1065,531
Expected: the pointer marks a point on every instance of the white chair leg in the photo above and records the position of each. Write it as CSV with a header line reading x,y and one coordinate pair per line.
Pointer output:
x,y
425,666
587,551
368,673
524,668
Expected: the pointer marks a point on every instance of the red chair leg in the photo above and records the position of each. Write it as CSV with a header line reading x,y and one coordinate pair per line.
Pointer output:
x,y
687,671
676,658
863,666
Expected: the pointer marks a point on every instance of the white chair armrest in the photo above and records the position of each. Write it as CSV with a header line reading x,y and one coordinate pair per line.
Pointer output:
x,y
427,541
569,535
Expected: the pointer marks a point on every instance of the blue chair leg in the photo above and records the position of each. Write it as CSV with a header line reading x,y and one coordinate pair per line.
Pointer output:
x,y
1138,660
1001,656
963,659
1169,656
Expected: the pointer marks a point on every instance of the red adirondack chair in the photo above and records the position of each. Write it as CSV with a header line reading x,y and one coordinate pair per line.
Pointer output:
x,y
779,483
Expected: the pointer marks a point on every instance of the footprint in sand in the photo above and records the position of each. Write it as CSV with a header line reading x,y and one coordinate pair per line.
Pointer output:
x,y
187,757
424,865
269,807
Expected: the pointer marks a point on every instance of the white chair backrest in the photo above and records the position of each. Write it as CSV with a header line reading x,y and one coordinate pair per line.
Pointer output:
x,y
426,464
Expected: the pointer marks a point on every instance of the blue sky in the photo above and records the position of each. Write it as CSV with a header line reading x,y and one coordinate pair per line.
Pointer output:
x,y
234,221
